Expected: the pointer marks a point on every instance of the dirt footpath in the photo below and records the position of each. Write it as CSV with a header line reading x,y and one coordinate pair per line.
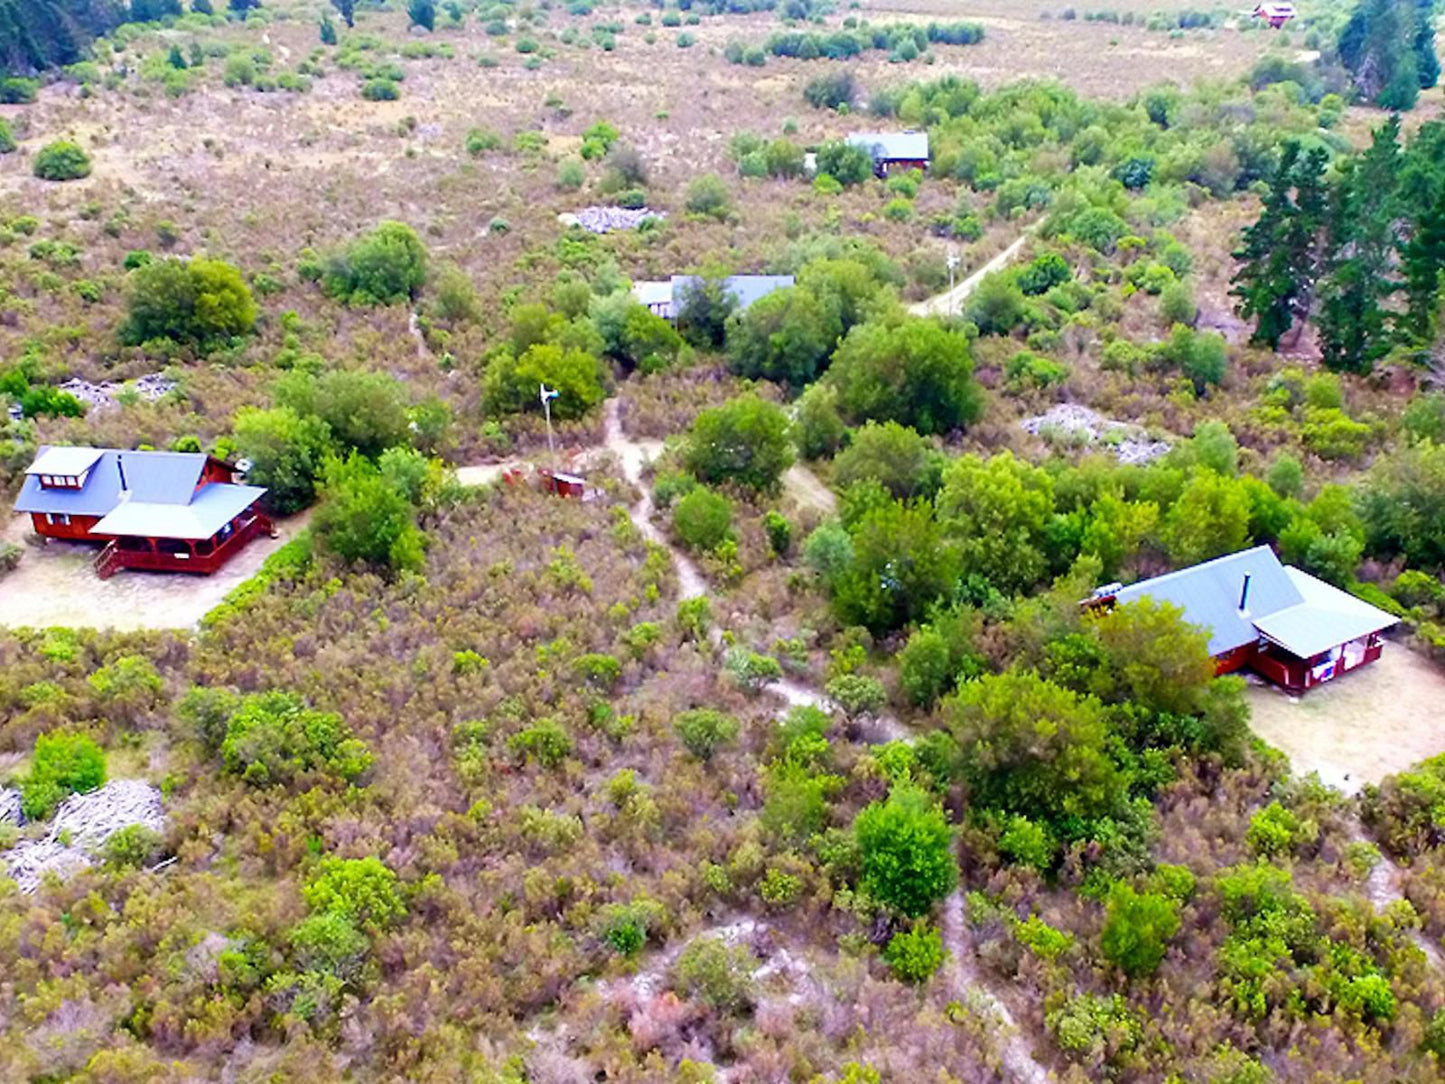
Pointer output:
x,y
57,585
1368,724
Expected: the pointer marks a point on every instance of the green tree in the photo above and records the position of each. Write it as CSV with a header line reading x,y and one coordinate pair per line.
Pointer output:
x,y
382,267
1359,276
717,974
898,567
818,429
62,161
893,455
1279,253
845,163
997,304
1423,264
913,371
786,336
1210,518
997,511
1137,929
703,307
422,13
512,383
906,850
63,764
1402,505
364,411
286,451
364,518
198,302
1034,748
1384,45
744,441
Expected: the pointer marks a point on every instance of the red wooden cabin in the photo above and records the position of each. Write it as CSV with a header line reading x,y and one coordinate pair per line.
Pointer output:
x,y
176,511
1282,623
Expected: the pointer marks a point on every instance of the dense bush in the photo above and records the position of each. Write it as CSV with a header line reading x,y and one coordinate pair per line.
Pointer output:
x,y
914,372
383,267
198,302
744,441
63,764
703,519
273,738
905,846
61,161
364,517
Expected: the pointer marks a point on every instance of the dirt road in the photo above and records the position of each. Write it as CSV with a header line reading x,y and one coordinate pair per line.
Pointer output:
x,y
950,301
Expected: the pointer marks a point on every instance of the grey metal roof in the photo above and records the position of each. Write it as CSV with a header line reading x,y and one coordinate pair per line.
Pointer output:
x,y
893,146
157,477
1209,595
66,462
1326,618
746,289
215,505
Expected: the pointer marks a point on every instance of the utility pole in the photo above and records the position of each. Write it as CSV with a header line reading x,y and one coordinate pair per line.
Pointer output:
x,y
953,261
547,395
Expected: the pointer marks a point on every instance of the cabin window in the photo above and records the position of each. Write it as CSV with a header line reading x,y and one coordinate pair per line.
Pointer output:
x,y
61,518
60,481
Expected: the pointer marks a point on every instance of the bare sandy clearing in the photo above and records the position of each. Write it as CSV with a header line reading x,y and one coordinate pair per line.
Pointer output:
x,y
1361,728
56,585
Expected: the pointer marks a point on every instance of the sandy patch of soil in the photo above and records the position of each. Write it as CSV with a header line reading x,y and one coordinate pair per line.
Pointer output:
x,y
56,584
1368,724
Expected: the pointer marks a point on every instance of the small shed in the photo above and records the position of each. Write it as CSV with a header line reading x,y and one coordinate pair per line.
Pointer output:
x,y
1279,621
894,150
1275,14
665,297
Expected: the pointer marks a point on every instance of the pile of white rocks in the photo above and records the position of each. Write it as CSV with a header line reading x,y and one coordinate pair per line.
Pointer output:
x,y
1080,425
150,387
83,822
607,219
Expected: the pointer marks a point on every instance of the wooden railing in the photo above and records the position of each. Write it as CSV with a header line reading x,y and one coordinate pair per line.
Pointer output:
x,y
114,557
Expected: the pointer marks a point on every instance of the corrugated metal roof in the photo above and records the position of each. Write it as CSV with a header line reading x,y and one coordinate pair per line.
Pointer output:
x,y
893,146
1326,618
156,477
215,505
66,462
1209,595
652,292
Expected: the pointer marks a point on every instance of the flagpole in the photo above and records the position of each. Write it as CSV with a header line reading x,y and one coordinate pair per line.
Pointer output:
x,y
547,396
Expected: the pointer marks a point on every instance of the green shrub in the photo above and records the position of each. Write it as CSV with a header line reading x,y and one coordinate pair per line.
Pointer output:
x,y
717,974
361,890
380,90
1138,928
906,848
914,955
384,266
545,741
274,738
708,195
131,847
62,161
779,532
481,140
63,764
7,139
703,731
703,519
744,441
1275,831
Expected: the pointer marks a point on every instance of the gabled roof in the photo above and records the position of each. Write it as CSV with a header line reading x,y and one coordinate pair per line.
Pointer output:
x,y
1304,615
1327,618
893,146
65,462
215,505
1209,595
156,477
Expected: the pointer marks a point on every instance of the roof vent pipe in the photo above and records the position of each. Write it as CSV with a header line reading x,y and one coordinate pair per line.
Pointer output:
x,y
1244,593
120,469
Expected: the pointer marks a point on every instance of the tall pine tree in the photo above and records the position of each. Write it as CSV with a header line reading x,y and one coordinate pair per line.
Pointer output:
x,y
1360,271
1423,262
1280,251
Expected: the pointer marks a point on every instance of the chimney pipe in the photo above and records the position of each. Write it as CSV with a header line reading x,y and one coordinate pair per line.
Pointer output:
x,y
1244,593
120,469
